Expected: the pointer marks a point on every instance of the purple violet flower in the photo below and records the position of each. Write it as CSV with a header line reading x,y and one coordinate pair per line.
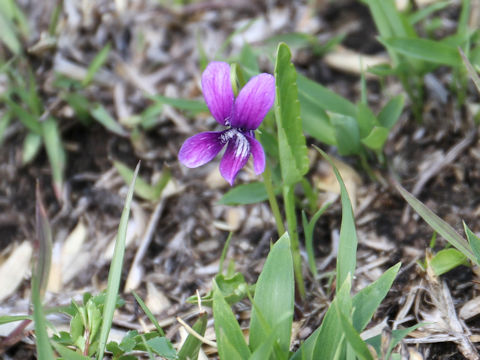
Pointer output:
x,y
242,116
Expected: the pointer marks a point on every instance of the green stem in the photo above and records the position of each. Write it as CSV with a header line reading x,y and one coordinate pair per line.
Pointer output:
x,y
289,201
267,180
310,194
224,253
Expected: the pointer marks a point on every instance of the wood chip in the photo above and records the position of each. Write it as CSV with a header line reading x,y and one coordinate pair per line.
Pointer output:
x,y
14,269
353,62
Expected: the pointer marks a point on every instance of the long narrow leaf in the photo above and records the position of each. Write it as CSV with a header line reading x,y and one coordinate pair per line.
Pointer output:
x,y
55,152
191,346
115,271
291,141
347,250
471,71
425,49
230,340
44,245
437,224
40,278
44,349
96,64
149,314
274,297
367,300
352,336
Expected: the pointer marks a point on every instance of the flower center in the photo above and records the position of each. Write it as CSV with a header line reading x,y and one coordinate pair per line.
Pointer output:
x,y
242,146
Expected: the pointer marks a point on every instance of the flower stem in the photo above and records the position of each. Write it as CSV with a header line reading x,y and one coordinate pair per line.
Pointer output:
x,y
289,201
267,180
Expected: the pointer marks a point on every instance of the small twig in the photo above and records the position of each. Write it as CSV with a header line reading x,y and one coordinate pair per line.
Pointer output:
x,y
197,335
146,240
15,336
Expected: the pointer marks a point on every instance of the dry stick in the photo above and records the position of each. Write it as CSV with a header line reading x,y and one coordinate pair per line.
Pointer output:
x,y
457,328
197,335
147,238
436,166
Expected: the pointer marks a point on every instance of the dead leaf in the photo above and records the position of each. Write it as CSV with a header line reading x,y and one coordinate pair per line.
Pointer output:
x,y
14,269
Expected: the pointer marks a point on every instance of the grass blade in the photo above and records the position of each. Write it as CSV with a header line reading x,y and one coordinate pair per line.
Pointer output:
x,y
115,271
347,250
367,300
437,224
101,114
149,314
291,141
40,274
96,64
230,340
425,49
191,346
43,233
274,297
471,71
56,154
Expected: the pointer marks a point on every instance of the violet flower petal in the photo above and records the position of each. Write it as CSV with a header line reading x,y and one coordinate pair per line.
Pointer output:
x,y
217,91
253,102
235,157
258,155
200,149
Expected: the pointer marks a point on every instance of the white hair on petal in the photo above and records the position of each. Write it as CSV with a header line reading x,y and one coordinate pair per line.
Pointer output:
x,y
242,146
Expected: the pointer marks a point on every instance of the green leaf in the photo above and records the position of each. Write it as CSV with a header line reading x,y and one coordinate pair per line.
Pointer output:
x,y
425,49
347,134
31,147
291,141
274,298
437,224
233,288
446,260
366,119
66,353
29,120
251,193
115,271
328,339
423,13
352,336
367,300
308,228
376,139
55,152
44,349
347,250
182,104
192,345
44,245
315,120
471,71
100,114
149,314
474,242
142,188
230,340
248,60
5,120
265,349
391,112
398,335
12,318
9,35
325,98
163,347
97,62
